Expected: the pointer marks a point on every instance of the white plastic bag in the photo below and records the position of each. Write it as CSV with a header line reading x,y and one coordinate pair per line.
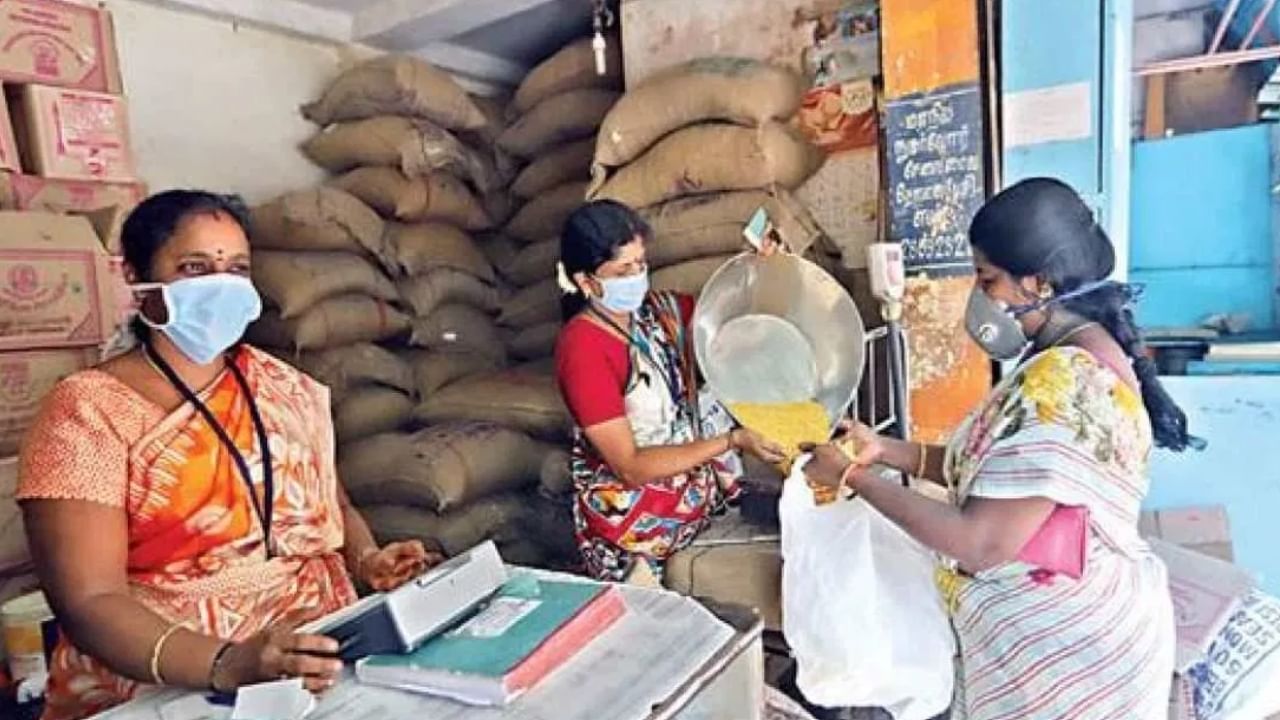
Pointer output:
x,y
861,611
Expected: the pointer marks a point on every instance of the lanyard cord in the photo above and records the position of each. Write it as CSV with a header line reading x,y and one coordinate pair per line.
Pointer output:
x,y
646,351
268,480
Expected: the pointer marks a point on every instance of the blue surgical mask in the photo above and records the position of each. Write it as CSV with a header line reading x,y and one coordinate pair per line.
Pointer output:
x,y
206,314
624,294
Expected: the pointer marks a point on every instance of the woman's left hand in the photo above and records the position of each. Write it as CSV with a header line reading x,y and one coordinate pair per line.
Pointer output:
x,y
828,465
396,564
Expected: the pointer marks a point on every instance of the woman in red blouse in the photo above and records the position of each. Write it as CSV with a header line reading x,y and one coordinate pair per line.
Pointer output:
x,y
645,477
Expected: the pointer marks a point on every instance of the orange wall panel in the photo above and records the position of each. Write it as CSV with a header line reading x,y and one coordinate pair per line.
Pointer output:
x,y
928,44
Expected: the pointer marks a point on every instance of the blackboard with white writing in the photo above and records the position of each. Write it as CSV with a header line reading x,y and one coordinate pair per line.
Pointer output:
x,y
935,173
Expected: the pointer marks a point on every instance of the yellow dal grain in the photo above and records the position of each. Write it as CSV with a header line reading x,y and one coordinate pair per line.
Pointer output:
x,y
790,425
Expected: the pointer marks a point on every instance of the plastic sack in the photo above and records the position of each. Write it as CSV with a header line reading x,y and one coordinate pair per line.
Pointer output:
x,y
861,612
1239,679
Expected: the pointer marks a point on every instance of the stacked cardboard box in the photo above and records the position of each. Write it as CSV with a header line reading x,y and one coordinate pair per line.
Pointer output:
x,y
67,178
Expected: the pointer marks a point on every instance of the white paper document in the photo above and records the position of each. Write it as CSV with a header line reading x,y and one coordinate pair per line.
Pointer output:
x,y
639,662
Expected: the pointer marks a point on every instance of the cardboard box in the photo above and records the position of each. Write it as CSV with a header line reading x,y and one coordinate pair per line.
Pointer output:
x,y
54,283
68,134
1205,592
15,558
39,194
1203,529
25,378
30,192
9,159
51,42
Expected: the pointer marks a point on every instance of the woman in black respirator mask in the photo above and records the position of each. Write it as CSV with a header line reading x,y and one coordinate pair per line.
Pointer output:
x,y
1061,609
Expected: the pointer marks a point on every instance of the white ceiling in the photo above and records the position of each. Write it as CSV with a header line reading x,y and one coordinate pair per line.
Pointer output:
x,y
491,43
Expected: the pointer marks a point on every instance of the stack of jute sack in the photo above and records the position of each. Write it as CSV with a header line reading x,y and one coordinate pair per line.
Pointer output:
x,y
555,112
406,139
458,448
698,148
322,266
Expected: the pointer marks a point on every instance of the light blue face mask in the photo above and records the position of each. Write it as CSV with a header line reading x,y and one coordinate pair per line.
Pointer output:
x,y
624,294
206,315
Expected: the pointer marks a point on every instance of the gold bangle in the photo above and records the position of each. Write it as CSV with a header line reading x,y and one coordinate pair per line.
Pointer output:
x,y
157,649
923,464
845,477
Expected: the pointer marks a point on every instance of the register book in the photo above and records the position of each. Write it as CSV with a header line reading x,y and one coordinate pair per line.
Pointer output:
x,y
521,635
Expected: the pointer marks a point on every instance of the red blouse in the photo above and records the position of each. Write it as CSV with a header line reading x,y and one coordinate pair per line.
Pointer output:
x,y
592,367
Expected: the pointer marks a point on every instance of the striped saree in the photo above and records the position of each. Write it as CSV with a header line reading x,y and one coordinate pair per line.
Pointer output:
x,y
1039,645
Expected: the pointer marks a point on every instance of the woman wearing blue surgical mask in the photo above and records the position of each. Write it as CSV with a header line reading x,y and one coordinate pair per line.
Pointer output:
x,y
181,500
647,477
1060,608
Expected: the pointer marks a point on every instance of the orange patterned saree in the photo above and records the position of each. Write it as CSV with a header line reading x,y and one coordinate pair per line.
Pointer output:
x,y
195,547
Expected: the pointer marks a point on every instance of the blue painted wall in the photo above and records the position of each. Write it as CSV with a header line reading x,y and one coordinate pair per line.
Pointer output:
x,y
1201,217
1046,43
1051,43
1240,417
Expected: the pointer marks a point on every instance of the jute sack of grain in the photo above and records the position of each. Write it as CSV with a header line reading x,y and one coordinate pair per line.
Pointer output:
x,y
737,90
395,85
545,366
573,67
534,342
669,249
498,206
557,120
533,264
342,320
511,398
500,250
549,522
698,211
688,277
446,286
434,369
345,368
294,281
492,518
459,327
713,158
559,165
699,222
422,247
416,146
543,217
534,305
494,111
370,410
555,477
439,196
324,218
442,467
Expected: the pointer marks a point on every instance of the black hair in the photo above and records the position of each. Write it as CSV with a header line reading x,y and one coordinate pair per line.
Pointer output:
x,y
153,223
591,237
1041,228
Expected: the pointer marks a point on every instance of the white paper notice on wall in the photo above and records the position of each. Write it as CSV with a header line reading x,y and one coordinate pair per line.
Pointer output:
x,y
1052,114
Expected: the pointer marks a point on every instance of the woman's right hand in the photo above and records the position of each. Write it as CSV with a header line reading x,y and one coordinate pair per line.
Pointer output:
x,y
752,442
868,447
276,653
